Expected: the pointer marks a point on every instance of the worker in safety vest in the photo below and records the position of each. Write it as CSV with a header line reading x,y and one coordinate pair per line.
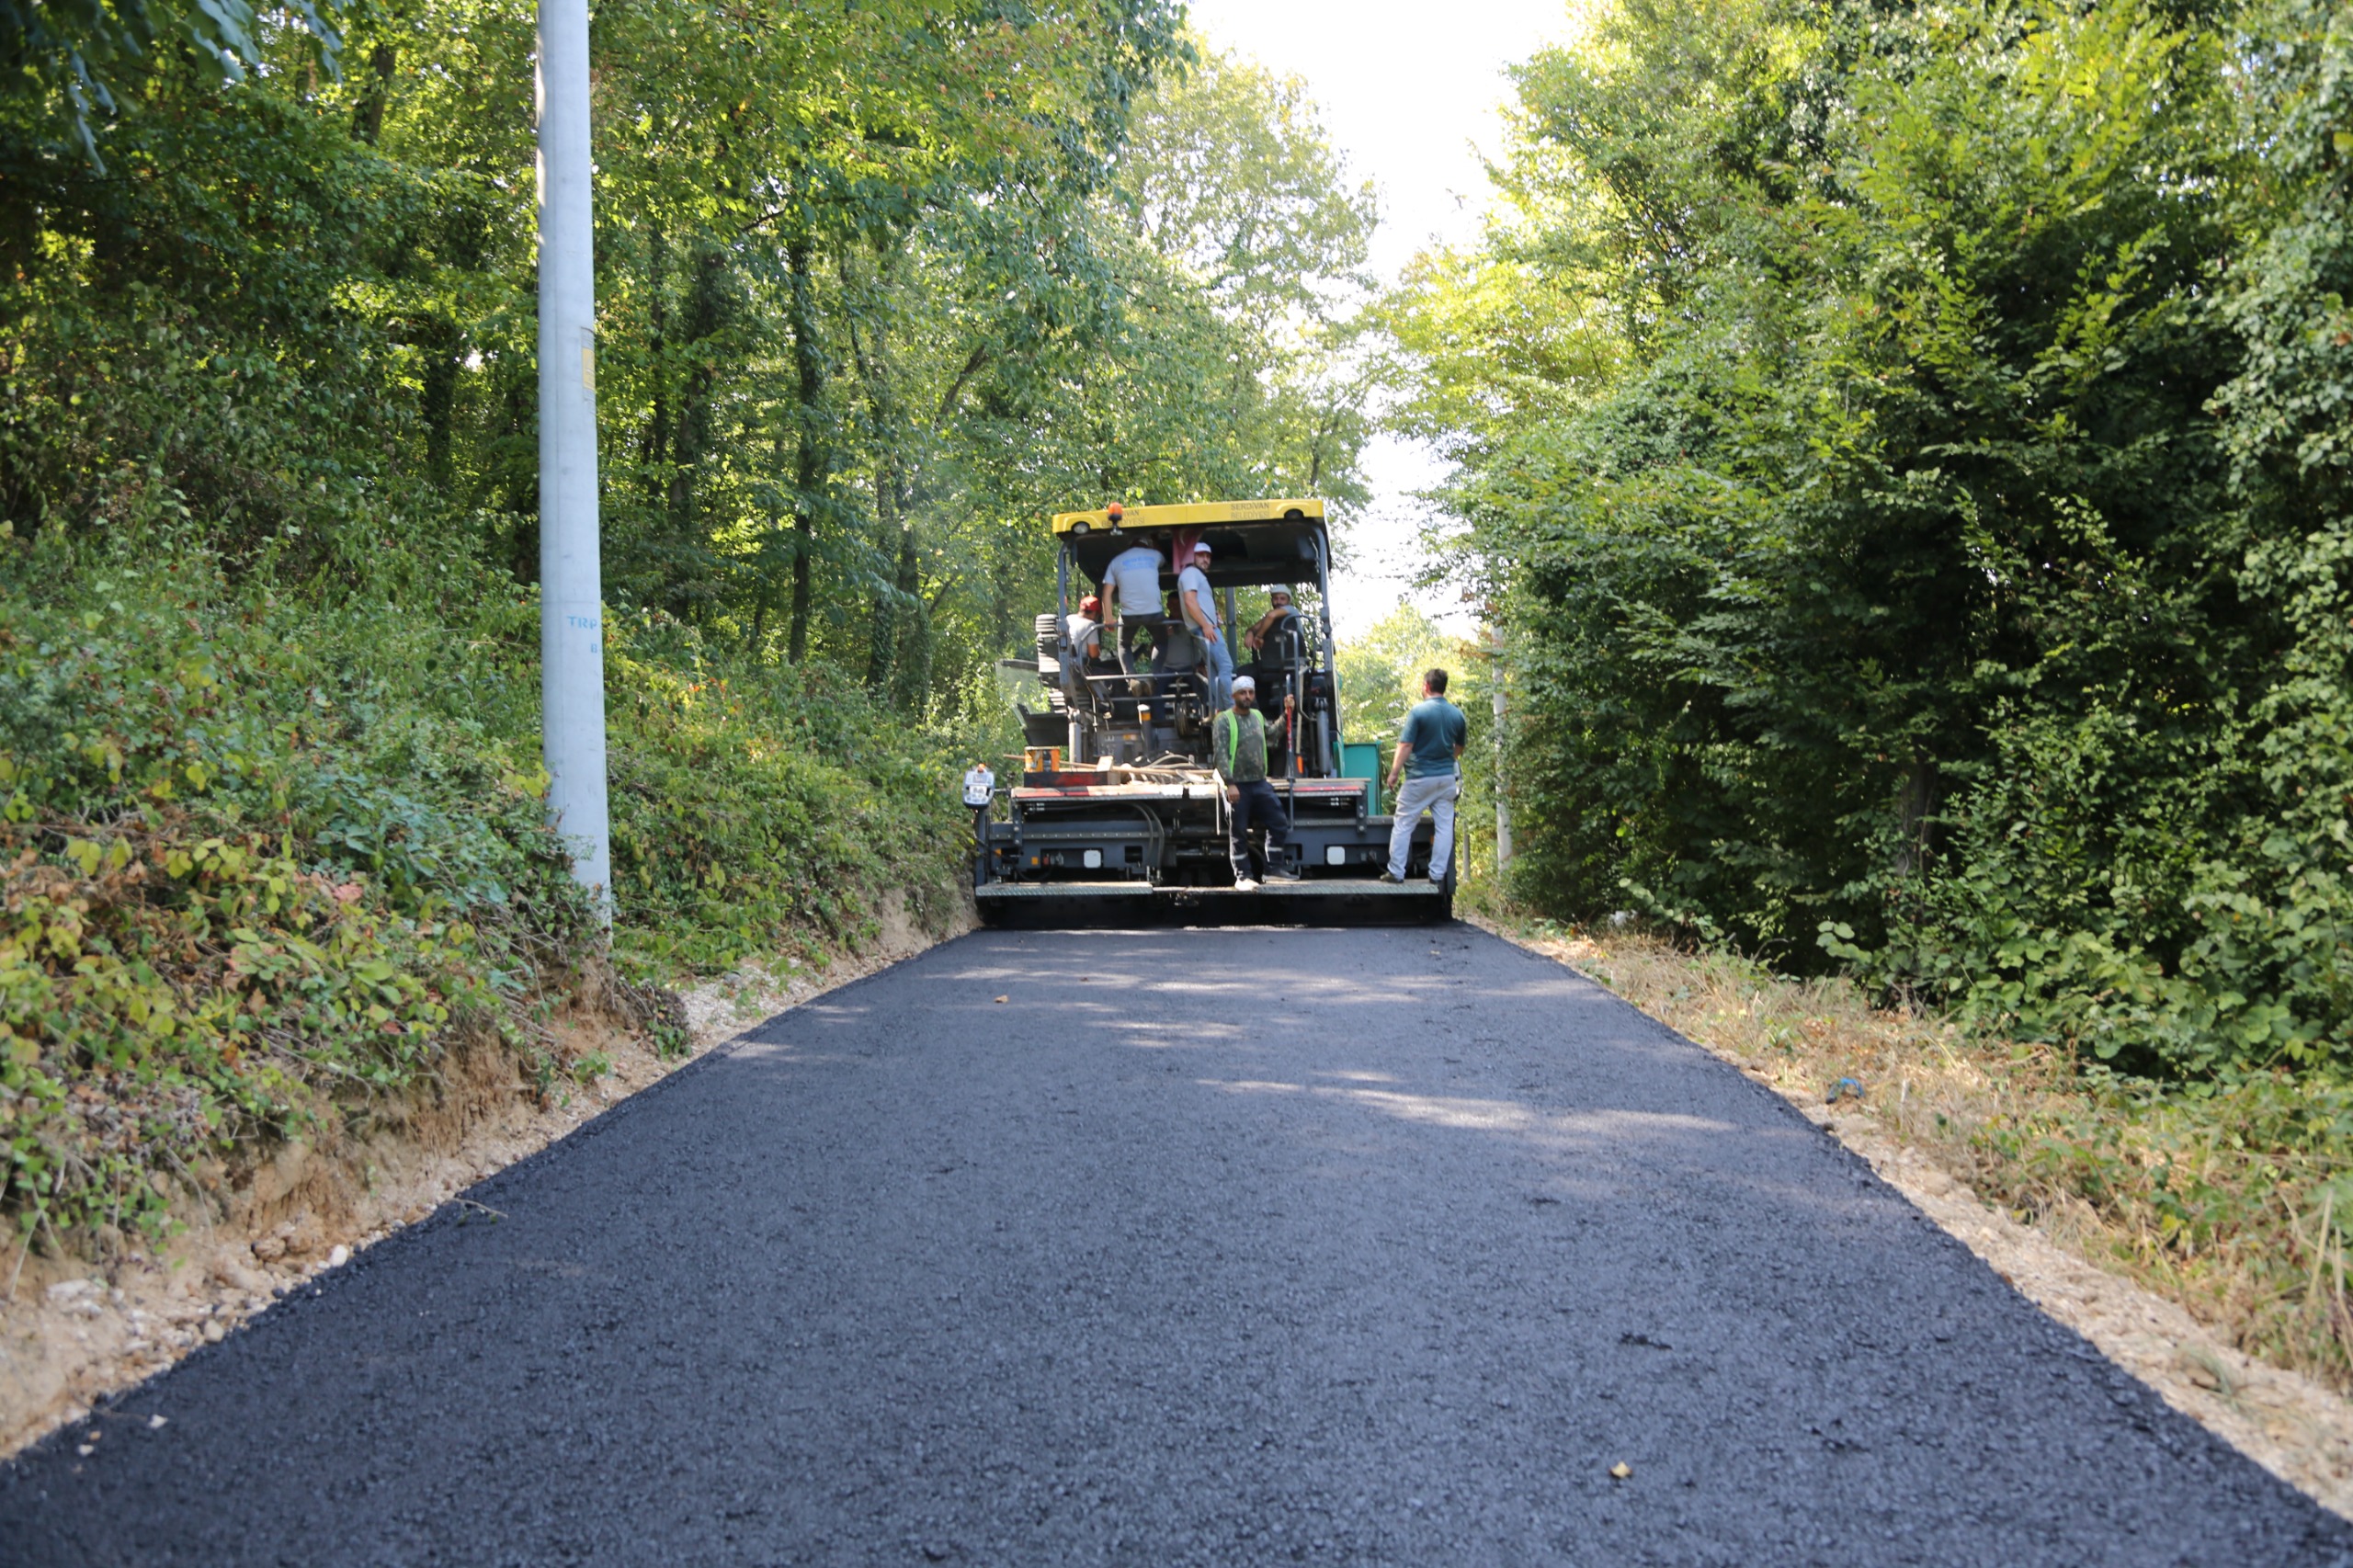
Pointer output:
x,y
1239,737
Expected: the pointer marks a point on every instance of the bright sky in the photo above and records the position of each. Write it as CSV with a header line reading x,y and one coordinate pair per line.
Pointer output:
x,y
1409,93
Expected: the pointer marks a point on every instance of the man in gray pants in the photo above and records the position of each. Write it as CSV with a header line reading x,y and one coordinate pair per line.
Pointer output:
x,y
1429,758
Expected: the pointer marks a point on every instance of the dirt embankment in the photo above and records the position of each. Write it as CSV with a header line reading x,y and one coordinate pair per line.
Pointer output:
x,y
74,1331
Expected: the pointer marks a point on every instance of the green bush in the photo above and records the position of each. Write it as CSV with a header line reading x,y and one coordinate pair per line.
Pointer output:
x,y
1935,562
756,807
247,879
268,856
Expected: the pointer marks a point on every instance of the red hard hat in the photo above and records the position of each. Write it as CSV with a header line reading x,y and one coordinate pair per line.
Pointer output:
x,y
1090,605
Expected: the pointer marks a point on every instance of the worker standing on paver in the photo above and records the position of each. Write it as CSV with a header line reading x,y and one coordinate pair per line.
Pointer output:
x,y
1429,759
1131,597
1198,602
1240,742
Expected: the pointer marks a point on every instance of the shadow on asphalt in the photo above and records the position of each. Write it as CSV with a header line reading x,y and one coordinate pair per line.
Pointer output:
x,y
1172,1246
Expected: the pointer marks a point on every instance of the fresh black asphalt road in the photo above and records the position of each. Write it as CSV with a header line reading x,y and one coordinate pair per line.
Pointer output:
x,y
1170,1247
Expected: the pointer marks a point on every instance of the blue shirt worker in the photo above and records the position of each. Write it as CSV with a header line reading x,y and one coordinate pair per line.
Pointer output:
x,y
1429,758
1239,735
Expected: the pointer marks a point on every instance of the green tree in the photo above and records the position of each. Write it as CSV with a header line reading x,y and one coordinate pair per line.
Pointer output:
x,y
1911,555
91,57
1381,672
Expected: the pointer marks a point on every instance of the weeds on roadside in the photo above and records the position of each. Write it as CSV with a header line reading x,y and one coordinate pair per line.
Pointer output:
x,y
266,861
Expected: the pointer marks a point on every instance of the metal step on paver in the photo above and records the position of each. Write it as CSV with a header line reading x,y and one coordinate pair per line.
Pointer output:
x,y
1313,902
1266,889
1065,890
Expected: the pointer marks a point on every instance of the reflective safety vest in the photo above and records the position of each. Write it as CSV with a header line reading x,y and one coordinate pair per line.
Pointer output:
x,y
1233,743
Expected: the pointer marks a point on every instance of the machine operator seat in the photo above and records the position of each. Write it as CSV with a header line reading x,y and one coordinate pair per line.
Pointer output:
x,y
1281,653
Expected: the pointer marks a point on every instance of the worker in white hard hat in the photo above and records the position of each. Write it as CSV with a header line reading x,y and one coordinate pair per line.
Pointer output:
x,y
1199,607
1238,737
980,789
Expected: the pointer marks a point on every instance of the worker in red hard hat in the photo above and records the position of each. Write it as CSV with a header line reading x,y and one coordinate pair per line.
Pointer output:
x,y
1086,629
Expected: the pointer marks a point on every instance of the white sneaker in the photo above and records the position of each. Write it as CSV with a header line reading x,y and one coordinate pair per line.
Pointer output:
x,y
1245,885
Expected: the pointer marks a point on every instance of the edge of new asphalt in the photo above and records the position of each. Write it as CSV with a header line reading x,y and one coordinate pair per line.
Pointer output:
x,y
1432,1304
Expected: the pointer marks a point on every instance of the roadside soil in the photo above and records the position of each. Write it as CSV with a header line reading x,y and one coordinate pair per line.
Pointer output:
x,y
2296,1427
75,1331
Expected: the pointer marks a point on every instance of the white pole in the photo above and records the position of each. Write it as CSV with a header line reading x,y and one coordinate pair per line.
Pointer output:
x,y
572,620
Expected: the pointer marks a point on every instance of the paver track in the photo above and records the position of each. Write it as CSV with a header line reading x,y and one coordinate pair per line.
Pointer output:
x,y
1199,1247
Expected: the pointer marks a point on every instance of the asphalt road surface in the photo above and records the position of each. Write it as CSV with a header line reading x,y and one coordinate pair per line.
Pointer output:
x,y
1170,1247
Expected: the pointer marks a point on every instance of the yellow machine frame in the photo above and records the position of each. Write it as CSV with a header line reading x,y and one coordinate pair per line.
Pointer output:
x,y
1190,515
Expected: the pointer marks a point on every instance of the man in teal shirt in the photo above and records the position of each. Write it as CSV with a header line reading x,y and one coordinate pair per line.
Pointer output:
x,y
1429,759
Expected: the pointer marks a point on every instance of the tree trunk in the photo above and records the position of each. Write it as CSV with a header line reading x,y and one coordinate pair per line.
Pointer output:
x,y
521,479
1913,804
911,682
764,589
437,399
368,115
808,468
656,449
883,634
706,314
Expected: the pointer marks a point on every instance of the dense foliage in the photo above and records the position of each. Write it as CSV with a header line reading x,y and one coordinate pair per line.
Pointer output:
x,y
242,872
267,862
1910,447
878,286
1381,671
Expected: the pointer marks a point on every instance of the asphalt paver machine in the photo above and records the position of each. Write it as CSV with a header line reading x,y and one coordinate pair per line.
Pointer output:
x,y
1118,816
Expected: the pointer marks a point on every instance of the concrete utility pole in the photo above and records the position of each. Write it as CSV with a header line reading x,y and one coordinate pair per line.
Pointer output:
x,y
572,612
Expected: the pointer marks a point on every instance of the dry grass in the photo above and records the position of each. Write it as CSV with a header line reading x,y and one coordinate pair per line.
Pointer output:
x,y
2233,1199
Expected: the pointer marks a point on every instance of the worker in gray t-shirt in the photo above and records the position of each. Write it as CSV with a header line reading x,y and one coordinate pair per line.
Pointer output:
x,y
1132,598
1176,655
1429,761
1197,601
